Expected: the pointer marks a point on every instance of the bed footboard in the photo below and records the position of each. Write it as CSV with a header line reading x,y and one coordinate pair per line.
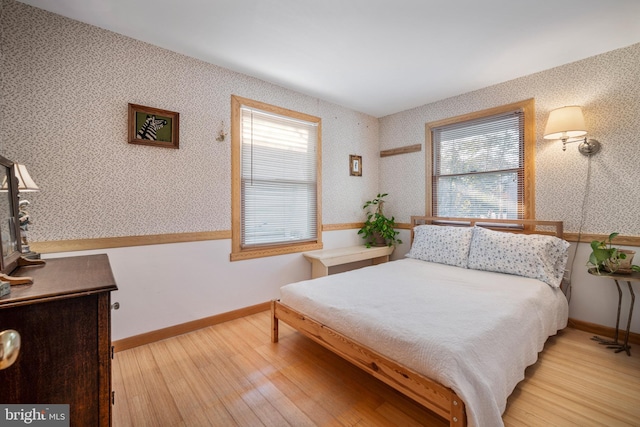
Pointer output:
x,y
434,396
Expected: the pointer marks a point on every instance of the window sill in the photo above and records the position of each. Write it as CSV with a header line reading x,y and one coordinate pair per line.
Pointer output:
x,y
274,250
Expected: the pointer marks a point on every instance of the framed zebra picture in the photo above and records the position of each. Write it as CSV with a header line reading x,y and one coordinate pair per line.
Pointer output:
x,y
152,126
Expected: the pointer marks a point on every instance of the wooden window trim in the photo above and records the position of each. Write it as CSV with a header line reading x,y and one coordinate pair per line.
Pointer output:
x,y
528,107
237,252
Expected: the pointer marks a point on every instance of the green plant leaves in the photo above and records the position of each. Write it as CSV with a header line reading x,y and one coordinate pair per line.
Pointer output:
x,y
605,257
378,224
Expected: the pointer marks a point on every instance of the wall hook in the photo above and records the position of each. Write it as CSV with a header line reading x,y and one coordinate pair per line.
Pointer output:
x,y
222,134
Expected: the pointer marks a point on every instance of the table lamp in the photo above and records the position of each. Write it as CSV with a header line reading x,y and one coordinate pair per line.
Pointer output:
x,y
25,184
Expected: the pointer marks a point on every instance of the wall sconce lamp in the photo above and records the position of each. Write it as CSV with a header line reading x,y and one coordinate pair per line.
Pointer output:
x,y
221,134
567,125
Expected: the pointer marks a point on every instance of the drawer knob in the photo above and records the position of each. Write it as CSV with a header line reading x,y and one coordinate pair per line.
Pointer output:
x,y
9,347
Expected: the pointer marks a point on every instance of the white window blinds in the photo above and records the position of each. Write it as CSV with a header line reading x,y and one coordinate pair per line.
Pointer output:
x,y
479,168
278,179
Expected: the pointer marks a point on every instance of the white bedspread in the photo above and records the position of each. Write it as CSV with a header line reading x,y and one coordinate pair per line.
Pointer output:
x,y
472,331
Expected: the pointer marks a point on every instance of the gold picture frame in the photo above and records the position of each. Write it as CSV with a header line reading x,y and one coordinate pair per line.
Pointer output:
x,y
153,126
355,165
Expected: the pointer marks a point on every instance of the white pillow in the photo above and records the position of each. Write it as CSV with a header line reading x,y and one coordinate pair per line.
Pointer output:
x,y
530,255
443,244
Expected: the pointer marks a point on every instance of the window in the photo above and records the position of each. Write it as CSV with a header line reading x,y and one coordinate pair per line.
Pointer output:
x,y
276,180
481,165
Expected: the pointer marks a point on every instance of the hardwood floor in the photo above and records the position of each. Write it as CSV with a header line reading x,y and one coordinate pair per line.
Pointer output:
x,y
232,375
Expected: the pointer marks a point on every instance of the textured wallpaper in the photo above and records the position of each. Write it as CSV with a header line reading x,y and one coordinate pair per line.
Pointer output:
x,y
607,86
66,86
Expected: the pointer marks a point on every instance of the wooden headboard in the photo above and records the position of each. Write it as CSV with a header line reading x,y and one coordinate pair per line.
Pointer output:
x,y
526,226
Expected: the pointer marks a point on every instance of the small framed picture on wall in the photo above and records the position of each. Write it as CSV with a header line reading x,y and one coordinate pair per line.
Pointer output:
x,y
355,165
152,126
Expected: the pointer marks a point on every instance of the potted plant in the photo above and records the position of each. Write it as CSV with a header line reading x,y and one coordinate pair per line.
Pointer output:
x,y
378,230
609,259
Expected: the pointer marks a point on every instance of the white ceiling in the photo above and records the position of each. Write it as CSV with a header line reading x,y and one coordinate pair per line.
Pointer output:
x,y
375,56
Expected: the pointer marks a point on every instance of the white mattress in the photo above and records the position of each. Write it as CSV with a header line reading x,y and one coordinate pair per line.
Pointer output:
x,y
472,331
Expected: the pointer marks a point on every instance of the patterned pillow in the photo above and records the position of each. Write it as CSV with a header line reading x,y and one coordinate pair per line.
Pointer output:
x,y
529,255
443,244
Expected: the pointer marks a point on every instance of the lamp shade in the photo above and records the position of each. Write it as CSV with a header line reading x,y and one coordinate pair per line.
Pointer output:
x,y
564,123
25,182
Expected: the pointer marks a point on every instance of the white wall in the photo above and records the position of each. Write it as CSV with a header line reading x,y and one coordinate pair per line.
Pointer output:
x,y
170,284
595,299
165,285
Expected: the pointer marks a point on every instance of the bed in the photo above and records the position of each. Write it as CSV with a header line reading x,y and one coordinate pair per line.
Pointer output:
x,y
454,324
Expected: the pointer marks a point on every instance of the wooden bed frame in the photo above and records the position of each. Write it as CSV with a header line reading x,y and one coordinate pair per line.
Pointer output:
x,y
429,393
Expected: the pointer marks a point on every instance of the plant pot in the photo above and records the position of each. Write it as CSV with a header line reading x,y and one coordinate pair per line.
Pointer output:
x,y
378,240
625,264
621,266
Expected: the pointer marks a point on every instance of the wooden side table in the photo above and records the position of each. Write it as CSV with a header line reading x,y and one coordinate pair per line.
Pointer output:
x,y
322,259
615,344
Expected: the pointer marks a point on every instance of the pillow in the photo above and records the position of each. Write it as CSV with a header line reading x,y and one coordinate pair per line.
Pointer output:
x,y
529,255
443,244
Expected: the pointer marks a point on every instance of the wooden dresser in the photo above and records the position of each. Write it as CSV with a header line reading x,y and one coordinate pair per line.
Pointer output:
x,y
64,320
